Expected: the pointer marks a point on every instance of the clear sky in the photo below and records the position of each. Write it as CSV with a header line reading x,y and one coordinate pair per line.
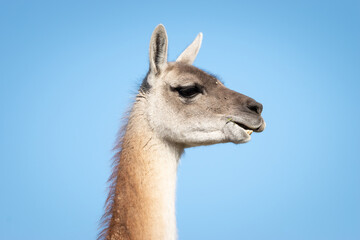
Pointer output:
x,y
68,72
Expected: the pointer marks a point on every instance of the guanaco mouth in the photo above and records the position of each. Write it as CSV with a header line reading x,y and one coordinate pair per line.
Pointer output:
x,y
246,128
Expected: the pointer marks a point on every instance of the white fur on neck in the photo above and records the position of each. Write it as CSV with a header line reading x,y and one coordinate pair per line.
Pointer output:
x,y
165,166
161,158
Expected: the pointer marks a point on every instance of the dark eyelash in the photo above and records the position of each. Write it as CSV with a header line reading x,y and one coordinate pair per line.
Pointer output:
x,y
189,91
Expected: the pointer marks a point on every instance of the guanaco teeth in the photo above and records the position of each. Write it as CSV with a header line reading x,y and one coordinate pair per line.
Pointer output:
x,y
249,132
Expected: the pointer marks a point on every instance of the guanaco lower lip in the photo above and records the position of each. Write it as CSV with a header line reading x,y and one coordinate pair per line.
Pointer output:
x,y
246,128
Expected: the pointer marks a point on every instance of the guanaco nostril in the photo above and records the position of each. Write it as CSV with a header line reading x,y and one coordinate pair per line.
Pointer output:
x,y
255,107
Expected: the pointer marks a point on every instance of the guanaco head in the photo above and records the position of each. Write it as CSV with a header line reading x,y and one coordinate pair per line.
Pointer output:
x,y
190,107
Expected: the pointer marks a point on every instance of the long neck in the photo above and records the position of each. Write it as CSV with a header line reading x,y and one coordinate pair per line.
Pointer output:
x,y
143,201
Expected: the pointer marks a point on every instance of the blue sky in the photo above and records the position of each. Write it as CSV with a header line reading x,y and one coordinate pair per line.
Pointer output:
x,y
69,70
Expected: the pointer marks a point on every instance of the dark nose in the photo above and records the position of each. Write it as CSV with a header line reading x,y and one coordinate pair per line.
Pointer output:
x,y
255,107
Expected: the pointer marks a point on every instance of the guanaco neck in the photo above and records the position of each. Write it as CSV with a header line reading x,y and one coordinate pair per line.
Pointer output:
x,y
143,204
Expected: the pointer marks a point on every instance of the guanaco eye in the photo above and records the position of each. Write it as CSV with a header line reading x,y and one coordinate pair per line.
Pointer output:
x,y
188,92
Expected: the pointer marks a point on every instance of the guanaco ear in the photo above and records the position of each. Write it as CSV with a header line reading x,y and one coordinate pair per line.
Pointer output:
x,y
189,54
158,49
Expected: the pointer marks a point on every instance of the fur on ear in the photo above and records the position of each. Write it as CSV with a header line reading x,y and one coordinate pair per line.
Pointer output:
x,y
189,54
158,49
